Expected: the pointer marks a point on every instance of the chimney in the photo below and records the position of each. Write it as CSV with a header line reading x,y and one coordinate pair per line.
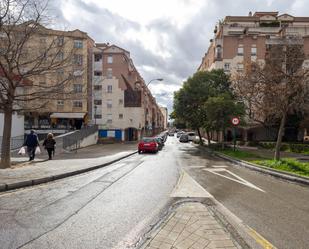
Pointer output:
x,y
250,13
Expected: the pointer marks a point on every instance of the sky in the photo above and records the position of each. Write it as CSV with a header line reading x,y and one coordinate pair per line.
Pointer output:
x,y
166,38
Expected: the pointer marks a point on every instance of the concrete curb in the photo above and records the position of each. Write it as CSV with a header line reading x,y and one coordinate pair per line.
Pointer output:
x,y
37,181
276,173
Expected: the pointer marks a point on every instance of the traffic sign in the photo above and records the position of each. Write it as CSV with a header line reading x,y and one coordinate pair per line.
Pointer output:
x,y
235,121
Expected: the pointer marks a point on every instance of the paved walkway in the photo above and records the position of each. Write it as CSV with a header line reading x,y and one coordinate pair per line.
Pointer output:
x,y
191,226
41,170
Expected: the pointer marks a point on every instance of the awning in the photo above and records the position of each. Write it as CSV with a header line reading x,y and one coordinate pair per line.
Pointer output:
x,y
68,115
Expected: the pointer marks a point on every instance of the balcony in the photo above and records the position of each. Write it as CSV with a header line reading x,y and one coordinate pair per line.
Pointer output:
x,y
98,65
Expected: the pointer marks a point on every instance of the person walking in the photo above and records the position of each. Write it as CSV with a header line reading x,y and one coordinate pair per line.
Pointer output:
x,y
31,142
49,144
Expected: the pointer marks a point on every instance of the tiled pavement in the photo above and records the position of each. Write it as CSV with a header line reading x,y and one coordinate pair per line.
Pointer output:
x,y
192,226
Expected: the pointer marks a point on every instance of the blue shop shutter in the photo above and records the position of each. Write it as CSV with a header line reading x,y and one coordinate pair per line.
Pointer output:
x,y
118,134
102,133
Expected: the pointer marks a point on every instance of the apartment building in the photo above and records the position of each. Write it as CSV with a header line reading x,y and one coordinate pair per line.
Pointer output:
x,y
122,105
165,116
238,40
67,107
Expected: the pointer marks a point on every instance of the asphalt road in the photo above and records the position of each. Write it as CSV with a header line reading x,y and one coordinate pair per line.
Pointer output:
x,y
276,209
112,207
107,208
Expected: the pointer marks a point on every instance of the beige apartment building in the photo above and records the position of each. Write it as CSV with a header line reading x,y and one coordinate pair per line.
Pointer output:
x,y
238,40
62,111
165,116
122,105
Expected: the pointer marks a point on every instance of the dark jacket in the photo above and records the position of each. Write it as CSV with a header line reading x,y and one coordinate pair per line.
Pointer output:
x,y
32,140
49,143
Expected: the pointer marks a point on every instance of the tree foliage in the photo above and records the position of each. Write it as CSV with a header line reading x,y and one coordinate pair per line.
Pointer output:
x,y
193,103
276,88
24,58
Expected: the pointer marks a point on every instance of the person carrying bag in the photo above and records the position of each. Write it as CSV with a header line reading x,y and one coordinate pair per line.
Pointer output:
x,y
49,144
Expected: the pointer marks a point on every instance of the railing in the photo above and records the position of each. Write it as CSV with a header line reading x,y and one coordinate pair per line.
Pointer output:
x,y
72,141
16,142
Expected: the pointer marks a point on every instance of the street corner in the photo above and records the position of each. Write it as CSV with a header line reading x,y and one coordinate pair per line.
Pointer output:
x,y
191,225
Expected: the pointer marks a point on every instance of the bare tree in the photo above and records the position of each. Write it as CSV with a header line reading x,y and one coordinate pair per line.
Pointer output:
x,y
276,87
24,58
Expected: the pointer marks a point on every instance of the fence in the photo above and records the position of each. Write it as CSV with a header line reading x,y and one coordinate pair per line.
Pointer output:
x,y
72,141
16,142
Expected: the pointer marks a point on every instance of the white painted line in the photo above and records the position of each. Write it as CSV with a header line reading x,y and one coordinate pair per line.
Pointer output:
x,y
219,166
188,187
239,179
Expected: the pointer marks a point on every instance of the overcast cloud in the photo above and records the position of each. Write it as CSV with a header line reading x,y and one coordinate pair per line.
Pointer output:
x,y
166,38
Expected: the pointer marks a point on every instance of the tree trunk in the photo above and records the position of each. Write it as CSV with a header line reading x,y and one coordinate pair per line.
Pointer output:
x,y
199,134
208,137
6,140
223,137
279,138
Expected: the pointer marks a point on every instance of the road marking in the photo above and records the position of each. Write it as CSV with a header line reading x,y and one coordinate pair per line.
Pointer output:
x,y
238,178
188,187
219,166
260,239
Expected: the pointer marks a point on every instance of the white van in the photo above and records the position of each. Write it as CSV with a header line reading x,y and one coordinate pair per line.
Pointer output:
x,y
191,136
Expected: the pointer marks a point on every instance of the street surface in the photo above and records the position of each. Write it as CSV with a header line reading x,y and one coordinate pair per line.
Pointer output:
x,y
114,206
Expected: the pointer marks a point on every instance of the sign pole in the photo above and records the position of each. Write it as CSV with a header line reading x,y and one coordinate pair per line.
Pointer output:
x,y
234,137
235,122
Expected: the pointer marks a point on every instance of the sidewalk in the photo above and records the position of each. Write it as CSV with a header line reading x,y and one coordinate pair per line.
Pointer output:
x,y
192,226
63,165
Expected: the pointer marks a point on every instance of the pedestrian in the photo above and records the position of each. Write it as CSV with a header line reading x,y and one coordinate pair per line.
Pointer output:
x,y
49,144
31,142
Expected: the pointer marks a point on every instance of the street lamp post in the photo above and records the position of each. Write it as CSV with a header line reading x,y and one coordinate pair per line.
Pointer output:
x,y
159,79
95,115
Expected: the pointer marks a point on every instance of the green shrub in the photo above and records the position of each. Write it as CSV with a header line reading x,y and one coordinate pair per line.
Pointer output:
x,y
286,164
299,148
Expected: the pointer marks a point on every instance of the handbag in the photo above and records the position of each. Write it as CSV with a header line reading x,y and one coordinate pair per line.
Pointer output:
x,y
22,151
37,150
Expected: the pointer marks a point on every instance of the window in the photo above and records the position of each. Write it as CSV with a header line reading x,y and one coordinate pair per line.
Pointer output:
x,y
120,101
43,39
110,59
97,73
219,52
78,59
109,88
240,50
60,56
78,73
60,40
109,73
78,88
78,103
227,66
97,57
120,116
109,103
109,118
78,44
98,116
253,51
97,88
97,101
240,67
60,102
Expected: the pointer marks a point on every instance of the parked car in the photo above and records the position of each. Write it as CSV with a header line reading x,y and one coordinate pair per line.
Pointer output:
x,y
184,138
160,142
179,133
148,144
191,136
171,133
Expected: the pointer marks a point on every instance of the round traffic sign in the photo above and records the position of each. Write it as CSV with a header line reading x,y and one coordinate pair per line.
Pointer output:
x,y
235,121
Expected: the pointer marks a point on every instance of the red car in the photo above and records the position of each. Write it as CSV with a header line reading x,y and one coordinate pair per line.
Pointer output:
x,y
148,144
